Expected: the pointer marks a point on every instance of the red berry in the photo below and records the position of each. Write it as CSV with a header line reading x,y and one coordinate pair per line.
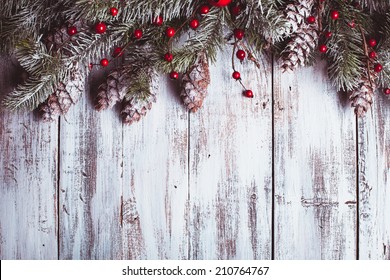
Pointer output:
x,y
104,62
72,30
174,75
158,21
378,67
204,9
334,15
240,54
311,19
372,42
168,57
117,52
194,24
170,32
236,10
372,55
239,33
328,34
323,48
352,24
387,91
236,75
138,34
100,28
220,3
114,11
248,93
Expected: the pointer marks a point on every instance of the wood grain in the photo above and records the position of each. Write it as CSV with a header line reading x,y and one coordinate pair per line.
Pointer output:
x,y
374,182
315,168
90,183
28,184
155,188
231,167
199,186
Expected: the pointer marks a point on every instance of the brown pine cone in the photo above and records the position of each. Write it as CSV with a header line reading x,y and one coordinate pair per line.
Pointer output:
x,y
195,82
113,90
59,36
137,104
298,51
297,13
137,107
304,36
63,98
362,96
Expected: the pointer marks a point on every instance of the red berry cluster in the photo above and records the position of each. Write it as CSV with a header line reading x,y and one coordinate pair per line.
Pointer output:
x,y
193,23
373,56
240,54
101,28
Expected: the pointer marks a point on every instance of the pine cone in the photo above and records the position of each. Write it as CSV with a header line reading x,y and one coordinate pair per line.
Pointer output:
x,y
297,13
63,98
113,90
298,50
195,82
362,96
139,103
304,36
59,36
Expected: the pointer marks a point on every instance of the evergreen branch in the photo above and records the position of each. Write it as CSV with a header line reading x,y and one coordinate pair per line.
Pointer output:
x,y
346,57
384,51
208,39
376,5
32,93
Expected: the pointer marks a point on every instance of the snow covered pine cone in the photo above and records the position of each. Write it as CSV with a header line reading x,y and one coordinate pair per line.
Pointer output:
x,y
362,96
195,82
63,98
304,35
68,92
137,104
113,90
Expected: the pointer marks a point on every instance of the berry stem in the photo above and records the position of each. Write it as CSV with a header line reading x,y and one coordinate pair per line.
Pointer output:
x,y
233,63
251,57
181,27
365,49
320,11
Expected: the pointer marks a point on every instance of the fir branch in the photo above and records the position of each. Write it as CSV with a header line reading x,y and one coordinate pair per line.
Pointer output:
x,y
265,18
376,5
132,10
30,94
347,58
384,51
208,39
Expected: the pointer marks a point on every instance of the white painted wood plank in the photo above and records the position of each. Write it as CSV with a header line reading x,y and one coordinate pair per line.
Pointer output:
x,y
315,168
155,189
90,183
374,182
28,184
231,166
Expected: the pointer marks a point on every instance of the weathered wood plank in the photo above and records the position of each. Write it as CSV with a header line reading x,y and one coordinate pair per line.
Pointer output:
x,y
28,184
90,183
315,168
374,182
231,167
155,189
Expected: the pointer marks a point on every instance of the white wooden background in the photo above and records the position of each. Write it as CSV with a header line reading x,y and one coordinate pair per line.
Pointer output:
x,y
291,174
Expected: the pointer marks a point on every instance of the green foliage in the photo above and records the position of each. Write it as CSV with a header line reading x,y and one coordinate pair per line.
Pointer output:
x,y
25,25
346,54
45,72
384,50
